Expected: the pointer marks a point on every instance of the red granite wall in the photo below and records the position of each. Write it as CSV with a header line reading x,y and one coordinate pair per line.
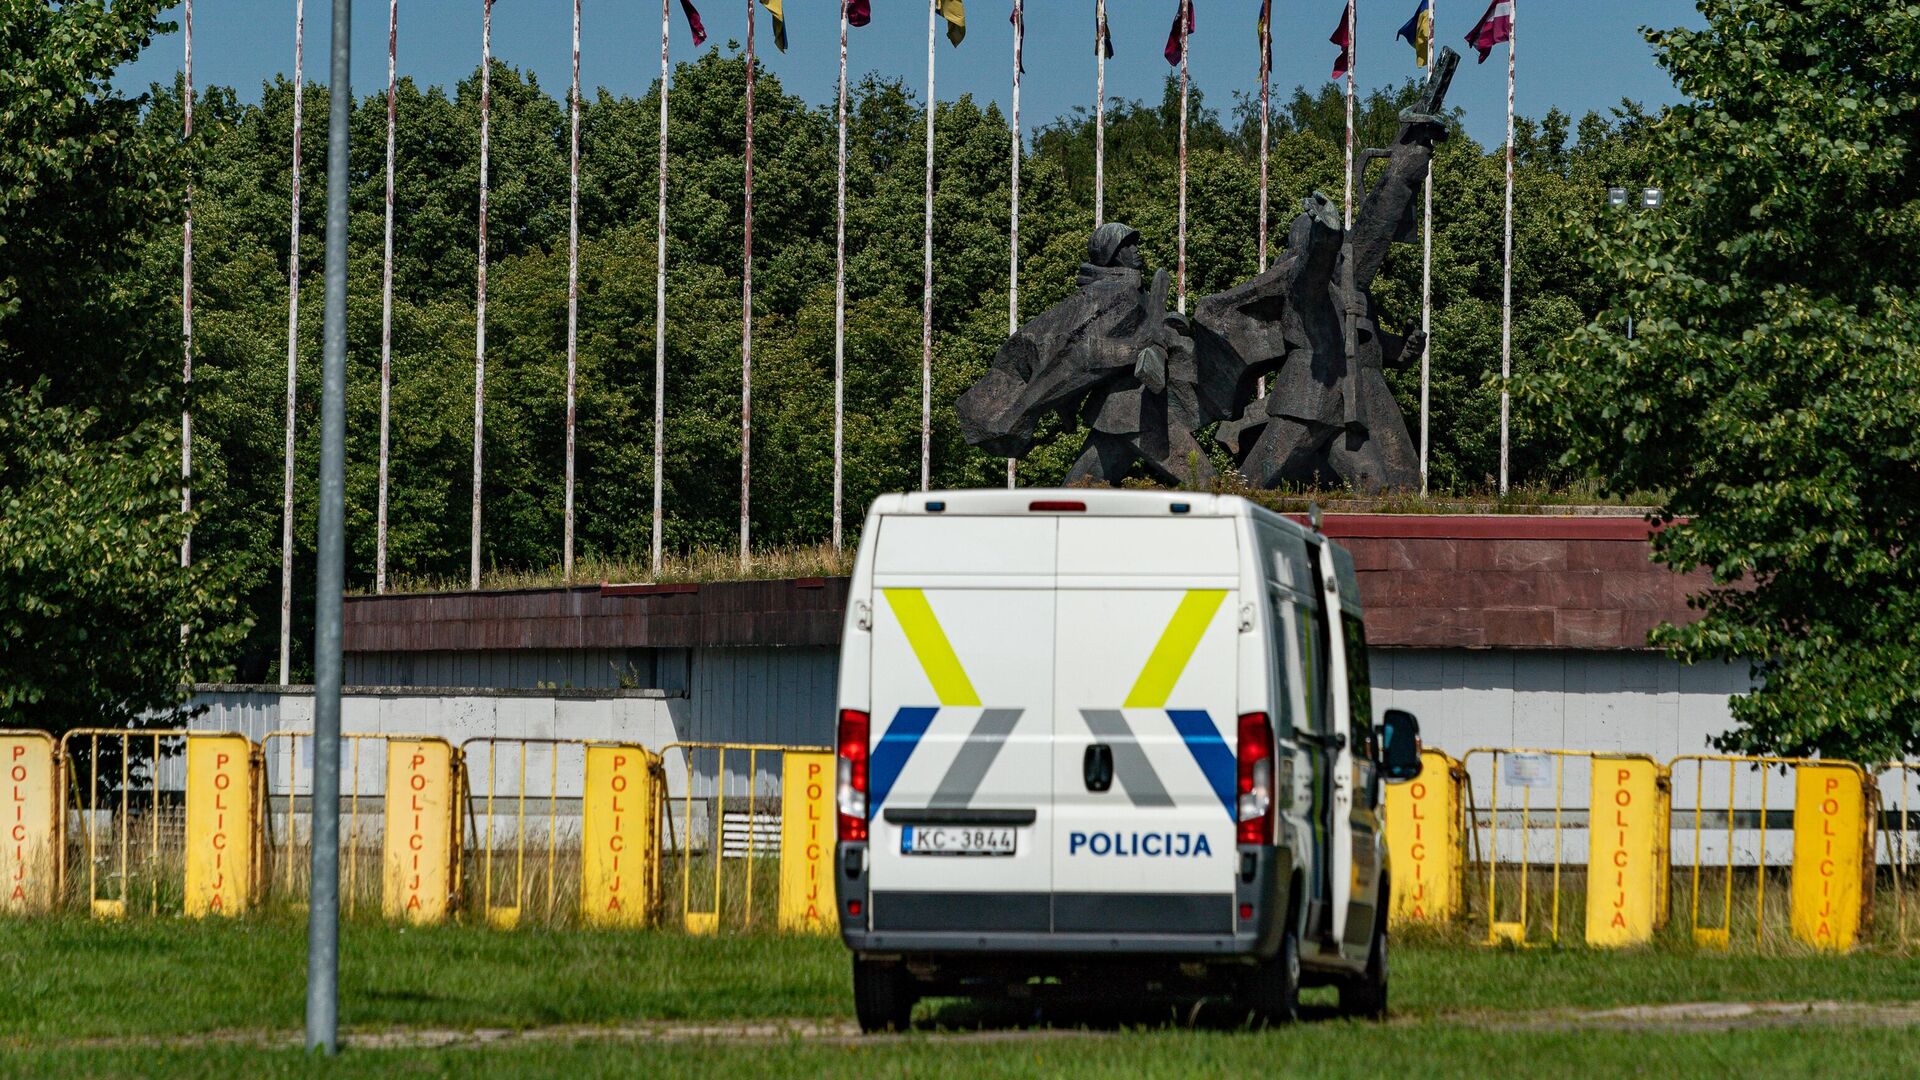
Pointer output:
x,y
1428,581
1510,582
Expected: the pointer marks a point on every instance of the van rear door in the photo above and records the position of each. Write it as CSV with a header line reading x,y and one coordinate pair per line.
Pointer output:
x,y
1145,725
962,723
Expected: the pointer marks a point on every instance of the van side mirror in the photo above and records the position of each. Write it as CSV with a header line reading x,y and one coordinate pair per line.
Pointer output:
x,y
1400,746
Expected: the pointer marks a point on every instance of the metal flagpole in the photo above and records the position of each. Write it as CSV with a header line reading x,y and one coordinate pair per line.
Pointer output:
x,y
186,318
746,316
1266,116
1350,329
1013,229
293,340
1186,14
1506,267
323,908
1266,120
1353,57
386,310
480,305
840,291
660,296
1426,281
573,290
926,284
1099,113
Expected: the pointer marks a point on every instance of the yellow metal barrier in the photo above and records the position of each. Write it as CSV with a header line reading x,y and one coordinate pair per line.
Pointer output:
x,y
205,843
807,833
1424,839
619,835
724,817
596,804
397,820
221,837
1832,842
29,860
1631,884
1898,787
420,840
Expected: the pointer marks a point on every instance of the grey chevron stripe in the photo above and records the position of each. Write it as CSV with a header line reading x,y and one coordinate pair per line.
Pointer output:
x,y
1130,765
976,756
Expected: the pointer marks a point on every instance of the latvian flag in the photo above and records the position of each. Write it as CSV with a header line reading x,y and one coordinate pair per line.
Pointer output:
x,y
1495,27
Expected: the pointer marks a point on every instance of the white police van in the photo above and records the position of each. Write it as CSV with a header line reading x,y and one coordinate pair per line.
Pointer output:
x,y
1099,739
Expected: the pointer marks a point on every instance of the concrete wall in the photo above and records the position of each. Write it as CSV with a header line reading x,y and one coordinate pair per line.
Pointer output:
x,y
1624,702
1612,700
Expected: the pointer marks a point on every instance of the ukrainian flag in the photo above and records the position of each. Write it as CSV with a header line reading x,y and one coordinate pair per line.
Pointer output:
x,y
1419,33
779,23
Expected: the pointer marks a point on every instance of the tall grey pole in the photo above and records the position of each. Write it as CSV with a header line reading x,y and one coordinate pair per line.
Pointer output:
x,y
323,900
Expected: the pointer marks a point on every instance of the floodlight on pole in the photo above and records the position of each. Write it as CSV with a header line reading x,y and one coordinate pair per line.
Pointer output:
x,y
1650,199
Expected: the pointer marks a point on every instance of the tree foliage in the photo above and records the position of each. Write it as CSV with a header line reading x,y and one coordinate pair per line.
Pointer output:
x,y
1773,383
99,624
241,244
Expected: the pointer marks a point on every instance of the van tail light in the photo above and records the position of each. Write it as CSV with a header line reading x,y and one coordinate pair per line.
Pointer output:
x,y
1057,506
1255,779
851,790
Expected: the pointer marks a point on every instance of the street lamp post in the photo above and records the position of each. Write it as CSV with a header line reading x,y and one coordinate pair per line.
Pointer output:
x,y
1618,198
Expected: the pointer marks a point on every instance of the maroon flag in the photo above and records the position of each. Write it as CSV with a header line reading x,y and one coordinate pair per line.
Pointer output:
x,y
859,12
1494,28
1343,37
1172,51
1019,22
694,24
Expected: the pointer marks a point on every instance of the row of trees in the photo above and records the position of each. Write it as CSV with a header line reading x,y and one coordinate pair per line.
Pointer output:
x,y
1769,391
241,198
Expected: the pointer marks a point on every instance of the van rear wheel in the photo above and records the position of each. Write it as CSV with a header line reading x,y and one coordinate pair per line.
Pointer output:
x,y
883,996
1366,996
1271,992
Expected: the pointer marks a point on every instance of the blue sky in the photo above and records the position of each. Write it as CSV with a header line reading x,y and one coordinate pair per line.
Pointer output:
x,y
1575,54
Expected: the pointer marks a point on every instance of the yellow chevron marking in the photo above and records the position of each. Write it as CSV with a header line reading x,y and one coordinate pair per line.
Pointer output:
x,y
931,647
1175,647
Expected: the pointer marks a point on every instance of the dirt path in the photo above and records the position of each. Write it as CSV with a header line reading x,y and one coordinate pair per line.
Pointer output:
x,y
1685,1017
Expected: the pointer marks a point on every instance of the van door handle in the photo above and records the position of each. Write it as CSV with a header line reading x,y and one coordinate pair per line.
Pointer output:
x,y
1096,766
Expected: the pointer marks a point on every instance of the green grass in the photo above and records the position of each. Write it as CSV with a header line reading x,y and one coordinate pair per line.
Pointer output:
x,y
820,560
69,978
1336,1049
1462,1010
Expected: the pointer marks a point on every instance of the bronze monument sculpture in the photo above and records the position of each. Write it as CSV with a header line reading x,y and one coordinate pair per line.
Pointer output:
x,y
1145,380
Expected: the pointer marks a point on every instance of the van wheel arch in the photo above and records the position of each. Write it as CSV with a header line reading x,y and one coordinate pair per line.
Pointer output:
x,y
1296,910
